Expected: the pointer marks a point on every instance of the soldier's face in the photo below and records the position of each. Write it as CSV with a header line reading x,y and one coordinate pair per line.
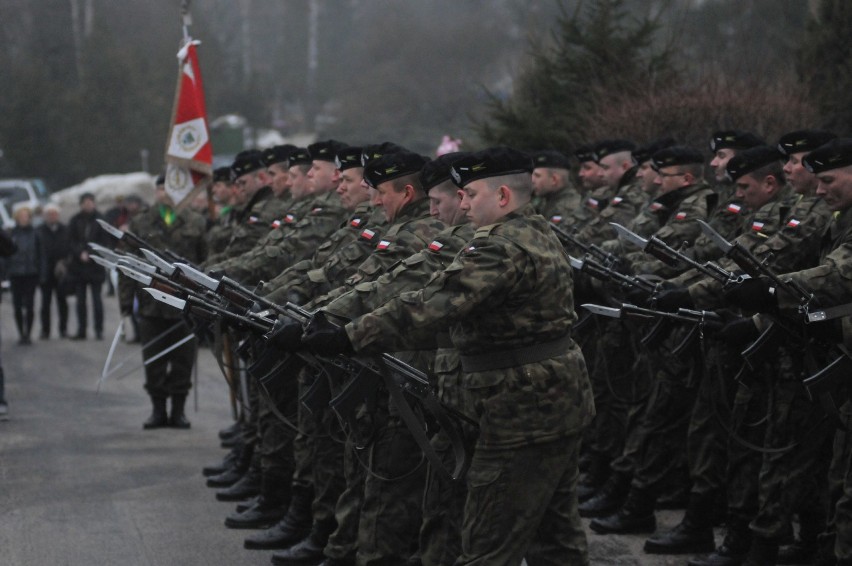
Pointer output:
x,y
247,183
611,170
481,203
646,175
669,179
445,205
392,200
802,180
221,192
351,189
719,162
752,191
543,181
323,176
835,187
298,181
279,178
590,175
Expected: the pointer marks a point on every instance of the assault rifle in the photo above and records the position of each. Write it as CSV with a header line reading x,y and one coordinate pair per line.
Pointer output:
x,y
591,250
605,273
699,321
136,242
657,248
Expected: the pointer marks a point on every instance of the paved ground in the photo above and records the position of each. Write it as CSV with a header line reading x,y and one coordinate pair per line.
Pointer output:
x,y
82,484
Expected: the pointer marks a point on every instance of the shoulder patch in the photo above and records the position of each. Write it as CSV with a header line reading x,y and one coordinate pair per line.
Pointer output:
x,y
793,223
733,208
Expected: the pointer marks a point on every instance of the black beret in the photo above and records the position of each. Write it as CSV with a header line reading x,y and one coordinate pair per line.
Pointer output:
x,y
803,140
377,150
833,155
551,159
675,155
277,154
734,139
608,147
246,162
437,171
223,174
160,180
585,153
391,166
491,162
348,157
299,156
325,150
753,158
644,153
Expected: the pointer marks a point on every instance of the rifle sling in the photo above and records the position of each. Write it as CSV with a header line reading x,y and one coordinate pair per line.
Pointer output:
x,y
830,313
431,404
503,359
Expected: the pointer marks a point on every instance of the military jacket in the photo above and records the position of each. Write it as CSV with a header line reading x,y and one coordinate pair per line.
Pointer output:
x,y
253,222
683,207
560,207
411,273
510,287
284,246
219,234
352,242
186,237
620,206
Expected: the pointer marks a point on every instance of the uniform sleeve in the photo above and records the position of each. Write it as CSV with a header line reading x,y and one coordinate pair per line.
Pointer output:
x,y
485,269
830,282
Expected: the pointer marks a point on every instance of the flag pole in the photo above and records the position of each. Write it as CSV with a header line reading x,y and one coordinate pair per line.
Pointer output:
x,y
187,19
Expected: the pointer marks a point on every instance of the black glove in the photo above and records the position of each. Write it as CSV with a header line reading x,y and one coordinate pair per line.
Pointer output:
x,y
637,296
669,300
285,335
754,295
325,338
739,332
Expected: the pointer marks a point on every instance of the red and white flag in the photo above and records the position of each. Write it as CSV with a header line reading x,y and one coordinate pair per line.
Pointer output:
x,y
189,155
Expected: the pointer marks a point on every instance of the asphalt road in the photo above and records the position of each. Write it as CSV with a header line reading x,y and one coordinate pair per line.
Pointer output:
x,y
81,484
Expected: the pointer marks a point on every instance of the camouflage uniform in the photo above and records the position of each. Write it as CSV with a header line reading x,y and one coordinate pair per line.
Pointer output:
x,y
282,247
442,504
563,208
253,221
170,375
830,283
219,234
509,289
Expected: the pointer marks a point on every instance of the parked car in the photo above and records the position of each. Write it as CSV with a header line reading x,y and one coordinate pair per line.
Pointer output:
x,y
32,191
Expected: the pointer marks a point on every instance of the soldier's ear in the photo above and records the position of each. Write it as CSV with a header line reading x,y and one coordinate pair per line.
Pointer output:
x,y
504,195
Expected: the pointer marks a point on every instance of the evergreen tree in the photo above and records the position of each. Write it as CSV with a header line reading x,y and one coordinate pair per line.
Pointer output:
x,y
595,55
825,63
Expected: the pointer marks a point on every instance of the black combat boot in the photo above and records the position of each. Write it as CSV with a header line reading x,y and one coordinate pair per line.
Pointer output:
x,y
608,498
309,550
178,419
233,474
228,462
763,552
733,550
594,478
803,550
693,535
294,527
635,516
246,487
230,431
158,418
268,508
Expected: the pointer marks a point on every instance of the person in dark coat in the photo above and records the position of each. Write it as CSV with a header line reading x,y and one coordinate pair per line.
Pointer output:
x,y
82,229
26,269
7,248
54,241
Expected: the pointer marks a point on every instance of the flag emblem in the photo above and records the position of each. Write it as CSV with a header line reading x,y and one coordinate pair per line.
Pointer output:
x,y
793,223
436,246
734,208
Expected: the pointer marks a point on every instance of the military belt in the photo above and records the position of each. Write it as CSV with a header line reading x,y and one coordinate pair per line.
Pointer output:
x,y
502,359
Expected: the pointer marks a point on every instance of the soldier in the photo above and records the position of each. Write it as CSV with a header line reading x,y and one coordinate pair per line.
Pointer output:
x,y
257,215
181,231
685,198
227,198
554,195
507,301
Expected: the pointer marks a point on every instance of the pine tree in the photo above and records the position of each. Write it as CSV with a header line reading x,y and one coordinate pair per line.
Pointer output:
x,y
825,63
594,55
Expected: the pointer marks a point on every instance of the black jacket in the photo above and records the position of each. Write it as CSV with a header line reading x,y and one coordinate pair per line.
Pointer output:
x,y
83,229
